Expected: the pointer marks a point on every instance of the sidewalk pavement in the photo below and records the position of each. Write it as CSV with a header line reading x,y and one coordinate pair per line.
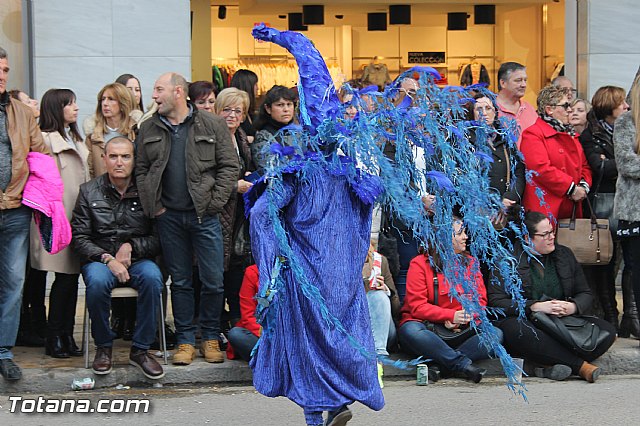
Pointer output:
x,y
45,375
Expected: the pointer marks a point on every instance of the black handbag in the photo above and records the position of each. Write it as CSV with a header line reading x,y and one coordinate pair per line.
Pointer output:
x,y
577,332
452,338
602,203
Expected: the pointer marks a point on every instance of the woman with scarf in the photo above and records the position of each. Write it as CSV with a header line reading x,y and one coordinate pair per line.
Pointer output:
x,y
552,283
555,157
276,111
597,140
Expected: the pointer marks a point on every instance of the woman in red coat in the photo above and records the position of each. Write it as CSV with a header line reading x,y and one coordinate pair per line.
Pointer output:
x,y
553,153
422,303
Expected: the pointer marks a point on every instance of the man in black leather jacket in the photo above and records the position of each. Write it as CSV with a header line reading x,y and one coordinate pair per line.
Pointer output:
x,y
117,243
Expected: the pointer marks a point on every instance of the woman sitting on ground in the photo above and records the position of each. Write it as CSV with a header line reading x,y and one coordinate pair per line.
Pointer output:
x,y
423,303
553,283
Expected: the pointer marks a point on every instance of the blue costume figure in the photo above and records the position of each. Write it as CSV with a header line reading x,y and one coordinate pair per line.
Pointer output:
x,y
310,227
310,234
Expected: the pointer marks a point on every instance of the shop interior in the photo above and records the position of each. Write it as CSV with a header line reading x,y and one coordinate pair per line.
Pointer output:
x,y
464,40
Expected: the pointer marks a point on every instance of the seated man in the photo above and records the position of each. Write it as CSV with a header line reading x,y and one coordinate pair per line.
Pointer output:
x,y
117,243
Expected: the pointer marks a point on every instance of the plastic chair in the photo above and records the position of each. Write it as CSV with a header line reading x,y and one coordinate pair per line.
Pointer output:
x,y
118,292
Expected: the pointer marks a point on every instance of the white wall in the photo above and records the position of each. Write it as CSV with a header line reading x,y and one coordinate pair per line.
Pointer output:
x,y
84,48
608,49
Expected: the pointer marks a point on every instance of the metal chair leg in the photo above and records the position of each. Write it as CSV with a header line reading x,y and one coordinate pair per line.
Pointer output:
x,y
163,337
86,335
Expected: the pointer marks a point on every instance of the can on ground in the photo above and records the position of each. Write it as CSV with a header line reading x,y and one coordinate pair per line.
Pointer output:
x,y
422,375
83,384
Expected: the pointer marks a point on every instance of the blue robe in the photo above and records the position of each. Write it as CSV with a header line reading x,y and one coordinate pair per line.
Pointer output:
x,y
300,355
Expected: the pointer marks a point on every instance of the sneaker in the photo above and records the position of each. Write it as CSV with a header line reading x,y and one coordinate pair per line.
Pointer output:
x,y
210,350
555,372
10,370
185,355
340,417
380,374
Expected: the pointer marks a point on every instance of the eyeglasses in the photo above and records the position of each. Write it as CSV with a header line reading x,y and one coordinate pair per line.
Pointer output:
x,y
565,105
229,111
546,235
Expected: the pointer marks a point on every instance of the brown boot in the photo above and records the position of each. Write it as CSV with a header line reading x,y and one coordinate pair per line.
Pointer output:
x,y
102,361
589,372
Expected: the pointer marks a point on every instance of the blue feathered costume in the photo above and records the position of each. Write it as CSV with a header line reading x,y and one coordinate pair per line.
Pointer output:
x,y
311,217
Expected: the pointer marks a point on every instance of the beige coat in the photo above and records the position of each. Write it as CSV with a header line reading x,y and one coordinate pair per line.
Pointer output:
x,y
74,170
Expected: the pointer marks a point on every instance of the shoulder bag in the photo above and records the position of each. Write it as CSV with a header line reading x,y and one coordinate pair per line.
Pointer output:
x,y
602,203
450,337
589,239
577,332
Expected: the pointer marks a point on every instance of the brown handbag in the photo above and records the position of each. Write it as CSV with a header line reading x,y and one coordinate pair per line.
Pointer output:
x,y
589,239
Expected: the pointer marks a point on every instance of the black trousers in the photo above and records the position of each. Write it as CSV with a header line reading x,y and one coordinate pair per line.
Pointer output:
x,y
62,302
631,251
523,340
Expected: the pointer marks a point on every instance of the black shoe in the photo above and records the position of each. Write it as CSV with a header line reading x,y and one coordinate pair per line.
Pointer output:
x,y
55,347
629,326
474,373
102,361
10,370
433,373
127,332
117,326
70,345
555,372
340,417
147,364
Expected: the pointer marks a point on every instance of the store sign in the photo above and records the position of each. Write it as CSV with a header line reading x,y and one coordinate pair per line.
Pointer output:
x,y
426,57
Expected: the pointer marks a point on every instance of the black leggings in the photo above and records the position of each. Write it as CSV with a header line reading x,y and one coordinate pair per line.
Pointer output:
x,y
522,339
631,251
62,302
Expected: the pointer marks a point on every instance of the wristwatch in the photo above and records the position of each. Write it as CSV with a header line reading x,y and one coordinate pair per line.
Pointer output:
x,y
106,258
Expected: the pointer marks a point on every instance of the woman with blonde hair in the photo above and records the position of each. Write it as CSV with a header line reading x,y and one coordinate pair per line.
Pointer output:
x,y
116,115
626,145
578,117
233,105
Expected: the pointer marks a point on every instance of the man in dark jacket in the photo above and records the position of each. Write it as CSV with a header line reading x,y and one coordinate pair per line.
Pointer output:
x,y
187,168
19,134
117,243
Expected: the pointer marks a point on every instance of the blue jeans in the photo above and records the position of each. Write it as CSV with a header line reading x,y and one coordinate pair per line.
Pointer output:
x,y
242,341
14,247
146,278
181,236
382,326
415,338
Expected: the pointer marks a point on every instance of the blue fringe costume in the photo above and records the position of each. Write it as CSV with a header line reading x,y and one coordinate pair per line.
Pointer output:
x,y
311,217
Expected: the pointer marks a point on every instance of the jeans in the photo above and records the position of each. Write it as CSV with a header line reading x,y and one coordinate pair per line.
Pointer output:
x,y
415,338
146,278
14,247
182,236
242,341
382,326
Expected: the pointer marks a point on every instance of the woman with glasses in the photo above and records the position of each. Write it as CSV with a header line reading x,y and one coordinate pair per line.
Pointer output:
x,y
201,94
276,112
429,299
553,283
233,105
555,159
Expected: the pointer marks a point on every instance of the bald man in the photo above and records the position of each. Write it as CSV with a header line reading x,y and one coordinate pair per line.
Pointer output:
x,y
187,169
